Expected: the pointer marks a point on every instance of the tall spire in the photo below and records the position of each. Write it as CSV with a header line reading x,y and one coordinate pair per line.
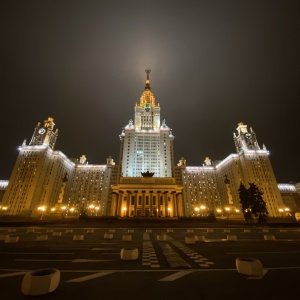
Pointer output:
x,y
147,87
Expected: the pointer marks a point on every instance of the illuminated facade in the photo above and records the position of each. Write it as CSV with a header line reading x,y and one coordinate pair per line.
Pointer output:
x,y
146,145
290,197
146,182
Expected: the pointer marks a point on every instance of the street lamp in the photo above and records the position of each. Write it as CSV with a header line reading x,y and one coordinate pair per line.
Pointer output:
x,y
169,212
197,211
202,207
42,209
63,208
124,210
281,211
97,209
227,211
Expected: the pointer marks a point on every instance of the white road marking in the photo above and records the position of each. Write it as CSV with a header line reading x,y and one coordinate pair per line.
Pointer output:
x,y
35,253
263,252
21,259
102,249
88,277
109,253
88,260
176,275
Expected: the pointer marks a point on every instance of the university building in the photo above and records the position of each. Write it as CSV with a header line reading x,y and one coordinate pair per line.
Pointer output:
x,y
145,183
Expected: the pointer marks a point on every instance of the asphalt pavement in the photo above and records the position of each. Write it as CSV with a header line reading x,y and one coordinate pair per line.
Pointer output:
x,y
172,263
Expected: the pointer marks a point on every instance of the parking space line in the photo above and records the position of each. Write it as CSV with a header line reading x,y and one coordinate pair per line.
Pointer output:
x,y
88,277
176,275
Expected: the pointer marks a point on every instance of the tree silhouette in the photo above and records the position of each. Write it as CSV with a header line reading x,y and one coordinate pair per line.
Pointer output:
x,y
245,201
252,203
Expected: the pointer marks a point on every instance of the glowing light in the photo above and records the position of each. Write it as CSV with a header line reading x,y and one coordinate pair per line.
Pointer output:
x,y
63,208
202,207
219,210
227,208
52,209
41,208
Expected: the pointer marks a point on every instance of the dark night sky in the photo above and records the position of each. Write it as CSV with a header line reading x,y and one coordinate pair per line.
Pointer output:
x,y
214,64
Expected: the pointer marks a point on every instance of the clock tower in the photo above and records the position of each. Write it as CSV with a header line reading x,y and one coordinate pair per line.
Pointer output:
x,y
45,135
245,140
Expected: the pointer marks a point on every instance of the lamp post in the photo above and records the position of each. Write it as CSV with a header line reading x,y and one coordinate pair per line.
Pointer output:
x,y
197,211
4,209
281,211
97,209
169,212
227,209
42,210
287,211
91,207
202,207
124,210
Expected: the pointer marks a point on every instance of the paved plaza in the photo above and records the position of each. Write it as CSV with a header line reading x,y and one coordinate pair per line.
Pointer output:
x,y
172,262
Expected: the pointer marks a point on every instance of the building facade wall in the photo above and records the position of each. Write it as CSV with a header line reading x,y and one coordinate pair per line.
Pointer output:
x,y
36,180
44,177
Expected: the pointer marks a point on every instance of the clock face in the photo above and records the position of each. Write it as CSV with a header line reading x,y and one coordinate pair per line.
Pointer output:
x,y
42,131
248,135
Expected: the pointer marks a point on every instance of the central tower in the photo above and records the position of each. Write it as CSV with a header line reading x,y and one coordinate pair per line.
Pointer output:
x,y
146,143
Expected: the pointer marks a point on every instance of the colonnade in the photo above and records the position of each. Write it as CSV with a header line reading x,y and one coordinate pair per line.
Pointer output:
x,y
147,203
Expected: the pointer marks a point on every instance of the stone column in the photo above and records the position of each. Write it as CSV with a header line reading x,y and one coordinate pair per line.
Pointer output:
x,y
128,204
114,206
175,213
135,202
151,203
166,203
158,203
143,203
180,205
120,203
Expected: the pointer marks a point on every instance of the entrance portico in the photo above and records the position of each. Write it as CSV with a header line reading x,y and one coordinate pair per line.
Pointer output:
x,y
146,197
